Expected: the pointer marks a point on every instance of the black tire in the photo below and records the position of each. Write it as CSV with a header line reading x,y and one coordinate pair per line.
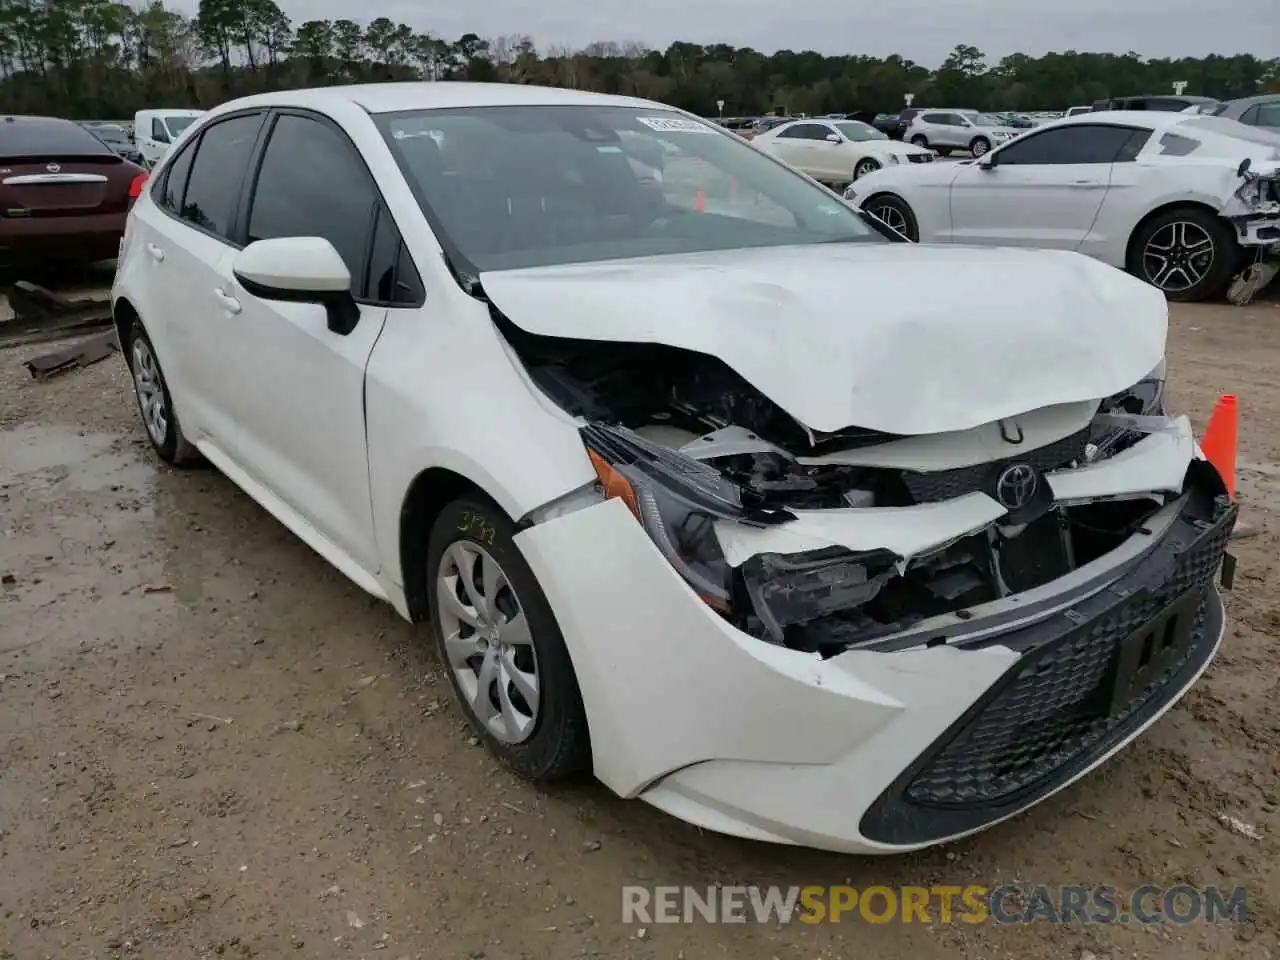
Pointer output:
x,y
887,203
943,151
920,140
559,744
1215,264
979,146
171,445
864,166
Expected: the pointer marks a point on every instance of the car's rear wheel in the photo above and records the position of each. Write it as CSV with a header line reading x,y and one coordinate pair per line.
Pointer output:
x,y
893,212
865,166
501,646
979,146
1188,253
155,402
920,140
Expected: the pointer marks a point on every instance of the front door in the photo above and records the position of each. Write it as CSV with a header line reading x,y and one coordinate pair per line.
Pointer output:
x,y
1042,190
299,386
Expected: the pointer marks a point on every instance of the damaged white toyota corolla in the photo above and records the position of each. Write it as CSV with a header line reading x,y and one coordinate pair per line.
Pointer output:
x,y
638,418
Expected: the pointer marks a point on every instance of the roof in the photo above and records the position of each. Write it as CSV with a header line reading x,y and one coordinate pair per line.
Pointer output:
x,y
1250,101
1150,119
438,95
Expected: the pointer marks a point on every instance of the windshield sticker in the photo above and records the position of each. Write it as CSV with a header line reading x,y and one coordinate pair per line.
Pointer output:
x,y
608,149
675,125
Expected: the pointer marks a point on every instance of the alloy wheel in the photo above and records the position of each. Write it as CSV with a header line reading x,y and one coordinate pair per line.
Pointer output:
x,y
865,167
487,642
150,390
1178,256
892,217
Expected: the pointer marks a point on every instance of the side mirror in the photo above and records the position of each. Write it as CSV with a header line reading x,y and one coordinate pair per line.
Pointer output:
x,y
833,138
988,162
300,270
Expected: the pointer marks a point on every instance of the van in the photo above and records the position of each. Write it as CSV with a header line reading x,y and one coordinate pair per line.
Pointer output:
x,y
154,130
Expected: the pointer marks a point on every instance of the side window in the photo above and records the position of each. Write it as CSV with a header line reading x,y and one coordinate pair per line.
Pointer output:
x,y
393,279
1268,115
956,120
1251,115
312,183
174,185
158,132
805,131
934,118
1099,143
217,173
1133,146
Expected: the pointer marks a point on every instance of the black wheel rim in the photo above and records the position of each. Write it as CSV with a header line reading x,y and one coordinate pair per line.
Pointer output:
x,y
1178,256
979,148
865,167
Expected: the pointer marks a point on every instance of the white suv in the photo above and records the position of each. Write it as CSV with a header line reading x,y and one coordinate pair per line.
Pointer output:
x,y
947,130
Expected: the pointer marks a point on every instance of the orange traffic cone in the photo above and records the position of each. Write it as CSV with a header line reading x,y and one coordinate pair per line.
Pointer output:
x,y
700,201
1220,439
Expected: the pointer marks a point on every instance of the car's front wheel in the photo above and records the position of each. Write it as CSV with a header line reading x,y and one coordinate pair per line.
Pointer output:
x,y
501,646
864,167
979,146
920,140
893,212
155,402
1188,253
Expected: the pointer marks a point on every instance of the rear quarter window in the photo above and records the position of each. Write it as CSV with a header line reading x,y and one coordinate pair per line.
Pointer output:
x,y
48,138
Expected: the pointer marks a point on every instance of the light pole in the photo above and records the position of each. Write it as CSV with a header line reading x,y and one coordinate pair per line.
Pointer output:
x,y
908,97
1178,87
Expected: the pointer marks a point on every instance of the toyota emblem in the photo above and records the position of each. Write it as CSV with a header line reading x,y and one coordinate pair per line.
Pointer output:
x,y
1016,485
53,168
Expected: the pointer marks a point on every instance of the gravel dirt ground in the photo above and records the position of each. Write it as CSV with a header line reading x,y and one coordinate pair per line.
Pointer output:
x,y
211,744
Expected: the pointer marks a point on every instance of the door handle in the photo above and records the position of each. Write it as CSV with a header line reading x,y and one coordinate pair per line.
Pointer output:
x,y
229,303
155,253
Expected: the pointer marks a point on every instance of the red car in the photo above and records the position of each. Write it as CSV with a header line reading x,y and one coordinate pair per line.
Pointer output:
x,y
64,195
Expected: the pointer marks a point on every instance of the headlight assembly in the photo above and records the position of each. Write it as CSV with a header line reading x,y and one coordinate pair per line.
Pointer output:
x,y
677,500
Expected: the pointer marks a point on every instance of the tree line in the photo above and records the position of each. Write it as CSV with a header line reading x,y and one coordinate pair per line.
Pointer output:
x,y
96,59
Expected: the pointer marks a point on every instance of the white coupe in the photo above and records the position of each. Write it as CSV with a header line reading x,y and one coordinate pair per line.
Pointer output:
x,y
838,151
687,492
1179,200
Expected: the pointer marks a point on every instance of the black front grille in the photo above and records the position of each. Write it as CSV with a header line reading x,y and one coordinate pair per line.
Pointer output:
x,y
948,484
1055,708
1089,677
921,157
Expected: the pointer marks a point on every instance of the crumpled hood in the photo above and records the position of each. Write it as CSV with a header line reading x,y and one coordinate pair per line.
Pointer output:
x,y
903,338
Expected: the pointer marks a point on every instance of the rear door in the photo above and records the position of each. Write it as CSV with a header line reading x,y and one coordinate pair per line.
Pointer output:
x,y
1042,190
187,240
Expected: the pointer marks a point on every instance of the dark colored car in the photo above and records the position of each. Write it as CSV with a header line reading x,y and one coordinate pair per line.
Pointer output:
x,y
895,124
64,194
1167,102
119,141
1261,111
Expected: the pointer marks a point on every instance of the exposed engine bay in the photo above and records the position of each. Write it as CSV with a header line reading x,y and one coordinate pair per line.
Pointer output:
x,y
691,447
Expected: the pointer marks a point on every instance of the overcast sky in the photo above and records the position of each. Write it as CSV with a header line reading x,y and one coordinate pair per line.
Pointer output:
x,y
923,30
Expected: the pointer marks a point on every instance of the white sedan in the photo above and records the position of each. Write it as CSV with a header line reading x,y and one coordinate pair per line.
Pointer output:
x,y
687,492
837,151
1166,196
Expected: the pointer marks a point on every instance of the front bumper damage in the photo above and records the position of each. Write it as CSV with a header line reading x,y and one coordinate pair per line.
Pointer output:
x,y
1254,212
899,740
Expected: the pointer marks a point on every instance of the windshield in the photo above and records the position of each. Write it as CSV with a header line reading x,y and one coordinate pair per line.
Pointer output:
x,y
523,186
857,130
985,120
177,124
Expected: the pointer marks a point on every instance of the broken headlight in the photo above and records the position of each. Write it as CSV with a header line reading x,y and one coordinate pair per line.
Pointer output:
x,y
1144,399
677,500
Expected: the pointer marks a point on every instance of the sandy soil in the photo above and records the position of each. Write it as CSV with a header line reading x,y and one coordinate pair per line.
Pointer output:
x,y
213,745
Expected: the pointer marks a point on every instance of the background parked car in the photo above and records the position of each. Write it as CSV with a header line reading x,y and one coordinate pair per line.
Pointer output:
x,y
1261,111
64,193
155,130
895,124
118,140
1152,192
947,130
837,151
1166,102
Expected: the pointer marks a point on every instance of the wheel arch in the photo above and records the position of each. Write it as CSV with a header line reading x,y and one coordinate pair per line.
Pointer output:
x,y
123,316
427,495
